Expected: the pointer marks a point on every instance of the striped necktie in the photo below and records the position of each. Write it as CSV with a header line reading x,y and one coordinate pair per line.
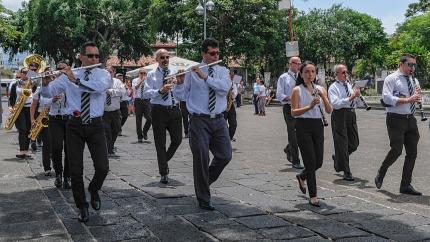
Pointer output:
x,y
166,94
348,94
411,92
212,96
85,101
142,86
108,99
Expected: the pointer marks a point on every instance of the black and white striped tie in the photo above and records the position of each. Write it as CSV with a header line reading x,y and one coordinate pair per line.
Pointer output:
x,y
348,94
108,99
411,92
85,101
212,96
166,94
142,86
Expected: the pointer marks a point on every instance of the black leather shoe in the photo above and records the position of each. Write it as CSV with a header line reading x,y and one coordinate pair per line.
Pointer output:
x,y
317,204
58,181
21,156
95,200
145,136
66,183
336,168
288,153
378,180
298,166
83,215
302,188
164,179
139,141
347,176
410,190
206,205
34,146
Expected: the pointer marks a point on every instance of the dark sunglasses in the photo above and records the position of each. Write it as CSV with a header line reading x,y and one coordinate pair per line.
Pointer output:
x,y
93,56
411,65
213,53
343,72
61,68
142,73
166,57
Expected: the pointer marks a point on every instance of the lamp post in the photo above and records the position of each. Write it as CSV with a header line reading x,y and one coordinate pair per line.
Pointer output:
x,y
201,9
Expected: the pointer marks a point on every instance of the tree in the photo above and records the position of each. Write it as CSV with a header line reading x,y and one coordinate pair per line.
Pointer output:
x,y
421,6
9,34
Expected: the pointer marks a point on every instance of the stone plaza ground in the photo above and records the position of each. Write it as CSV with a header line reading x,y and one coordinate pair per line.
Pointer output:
x,y
256,197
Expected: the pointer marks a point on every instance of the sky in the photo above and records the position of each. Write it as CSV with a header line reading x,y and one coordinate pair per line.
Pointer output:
x,y
390,12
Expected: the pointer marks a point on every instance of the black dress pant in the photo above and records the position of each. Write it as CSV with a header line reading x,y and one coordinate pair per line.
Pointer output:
x,y
206,135
112,123
142,108
124,111
230,116
310,137
239,100
170,120
23,124
402,131
46,149
94,135
292,147
57,128
345,136
185,116
255,101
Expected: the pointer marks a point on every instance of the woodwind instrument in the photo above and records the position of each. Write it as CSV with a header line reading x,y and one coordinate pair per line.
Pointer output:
x,y
415,85
362,100
189,70
55,73
316,94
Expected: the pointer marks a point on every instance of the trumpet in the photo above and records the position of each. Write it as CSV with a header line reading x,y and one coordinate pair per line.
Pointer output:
x,y
416,85
362,100
316,95
55,73
189,70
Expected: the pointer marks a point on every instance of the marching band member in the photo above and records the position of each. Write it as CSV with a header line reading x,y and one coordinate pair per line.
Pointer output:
x,y
398,92
305,101
205,92
142,106
165,112
343,121
286,83
85,90
112,113
230,115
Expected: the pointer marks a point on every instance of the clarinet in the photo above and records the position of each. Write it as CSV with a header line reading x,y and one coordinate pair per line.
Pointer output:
x,y
420,104
362,100
315,94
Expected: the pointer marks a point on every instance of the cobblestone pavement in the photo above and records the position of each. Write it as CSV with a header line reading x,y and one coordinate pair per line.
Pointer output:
x,y
256,198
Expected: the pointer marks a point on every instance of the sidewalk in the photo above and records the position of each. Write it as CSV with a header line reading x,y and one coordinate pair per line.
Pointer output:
x,y
256,199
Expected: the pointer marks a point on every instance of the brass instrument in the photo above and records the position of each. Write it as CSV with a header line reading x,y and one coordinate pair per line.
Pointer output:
x,y
35,58
230,99
189,70
40,123
416,85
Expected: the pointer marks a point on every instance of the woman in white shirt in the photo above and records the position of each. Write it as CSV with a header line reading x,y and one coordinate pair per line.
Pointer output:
x,y
306,108
262,99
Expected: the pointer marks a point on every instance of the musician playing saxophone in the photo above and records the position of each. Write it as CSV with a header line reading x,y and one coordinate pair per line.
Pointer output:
x,y
343,120
230,112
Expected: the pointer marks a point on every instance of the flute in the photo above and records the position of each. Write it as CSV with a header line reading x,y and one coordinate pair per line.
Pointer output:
x,y
420,104
315,94
189,70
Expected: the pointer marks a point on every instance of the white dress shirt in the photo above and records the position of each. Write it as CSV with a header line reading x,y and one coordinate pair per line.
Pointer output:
x,y
285,86
338,96
43,101
137,89
153,83
396,85
116,92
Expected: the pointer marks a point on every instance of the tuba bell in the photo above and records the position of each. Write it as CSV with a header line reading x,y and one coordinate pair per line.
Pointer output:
x,y
35,59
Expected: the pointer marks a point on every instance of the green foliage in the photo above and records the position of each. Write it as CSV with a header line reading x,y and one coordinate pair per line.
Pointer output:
x,y
9,34
421,6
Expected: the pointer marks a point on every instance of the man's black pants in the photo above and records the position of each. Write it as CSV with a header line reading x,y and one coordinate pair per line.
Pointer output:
x,y
230,116
112,123
142,109
57,128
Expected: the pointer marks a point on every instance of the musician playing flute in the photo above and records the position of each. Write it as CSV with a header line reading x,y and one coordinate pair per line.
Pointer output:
x,y
343,120
306,99
205,92
400,93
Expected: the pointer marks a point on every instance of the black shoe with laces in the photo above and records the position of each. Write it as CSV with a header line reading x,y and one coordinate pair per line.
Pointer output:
x,y
66,183
58,181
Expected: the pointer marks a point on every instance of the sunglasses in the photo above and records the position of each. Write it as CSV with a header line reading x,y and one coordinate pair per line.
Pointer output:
x,y
166,57
93,56
344,72
411,65
144,73
297,63
213,53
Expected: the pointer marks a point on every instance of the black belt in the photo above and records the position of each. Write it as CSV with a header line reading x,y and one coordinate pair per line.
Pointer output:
x,y
147,99
287,104
345,109
61,117
398,115
159,106
90,121
211,116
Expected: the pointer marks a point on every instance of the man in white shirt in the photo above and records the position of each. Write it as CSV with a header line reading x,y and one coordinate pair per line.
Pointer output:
x,y
142,106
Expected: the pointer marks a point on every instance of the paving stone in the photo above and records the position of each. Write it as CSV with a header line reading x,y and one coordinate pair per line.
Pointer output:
x,y
310,239
385,227
27,216
239,210
207,220
262,221
29,230
287,232
51,238
364,239
109,219
122,232
233,233
74,227
175,229
410,219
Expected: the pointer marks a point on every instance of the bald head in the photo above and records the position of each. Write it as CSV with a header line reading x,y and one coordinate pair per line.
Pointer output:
x,y
294,64
162,57
340,71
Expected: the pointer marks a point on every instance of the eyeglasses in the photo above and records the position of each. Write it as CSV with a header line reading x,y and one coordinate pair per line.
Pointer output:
x,y
213,53
93,56
411,65
297,63
144,73
344,72
164,57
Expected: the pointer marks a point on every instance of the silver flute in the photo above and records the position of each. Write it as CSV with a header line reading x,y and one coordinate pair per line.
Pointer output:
x,y
54,73
415,85
316,95
189,70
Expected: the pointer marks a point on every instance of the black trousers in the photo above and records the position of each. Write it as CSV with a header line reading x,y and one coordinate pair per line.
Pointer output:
x,y
255,101
57,128
23,124
239,100
208,135
310,137
46,149
345,136
170,120
185,116
112,124
402,131
124,111
230,116
142,109
292,147
94,135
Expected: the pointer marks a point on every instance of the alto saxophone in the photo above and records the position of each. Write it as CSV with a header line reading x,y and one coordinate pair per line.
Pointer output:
x,y
40,123
16,110
229,99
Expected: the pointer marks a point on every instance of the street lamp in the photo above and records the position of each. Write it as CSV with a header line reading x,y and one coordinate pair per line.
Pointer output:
x,y
201,9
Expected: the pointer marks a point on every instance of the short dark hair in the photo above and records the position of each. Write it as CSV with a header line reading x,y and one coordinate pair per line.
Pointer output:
x,y
404,57
63,62
210,42
86,44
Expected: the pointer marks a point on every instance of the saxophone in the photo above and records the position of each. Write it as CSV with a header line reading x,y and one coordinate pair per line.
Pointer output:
x,y
230,99
16,110
40,123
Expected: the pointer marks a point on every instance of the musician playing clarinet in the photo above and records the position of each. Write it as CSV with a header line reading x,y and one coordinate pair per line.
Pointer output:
x,y
402,95
343,121
305,107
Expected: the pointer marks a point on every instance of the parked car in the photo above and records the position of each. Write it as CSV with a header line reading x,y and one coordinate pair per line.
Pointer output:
x,y
5,83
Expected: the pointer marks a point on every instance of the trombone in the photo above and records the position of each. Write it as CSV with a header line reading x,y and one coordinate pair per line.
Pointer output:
x,y
189,70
